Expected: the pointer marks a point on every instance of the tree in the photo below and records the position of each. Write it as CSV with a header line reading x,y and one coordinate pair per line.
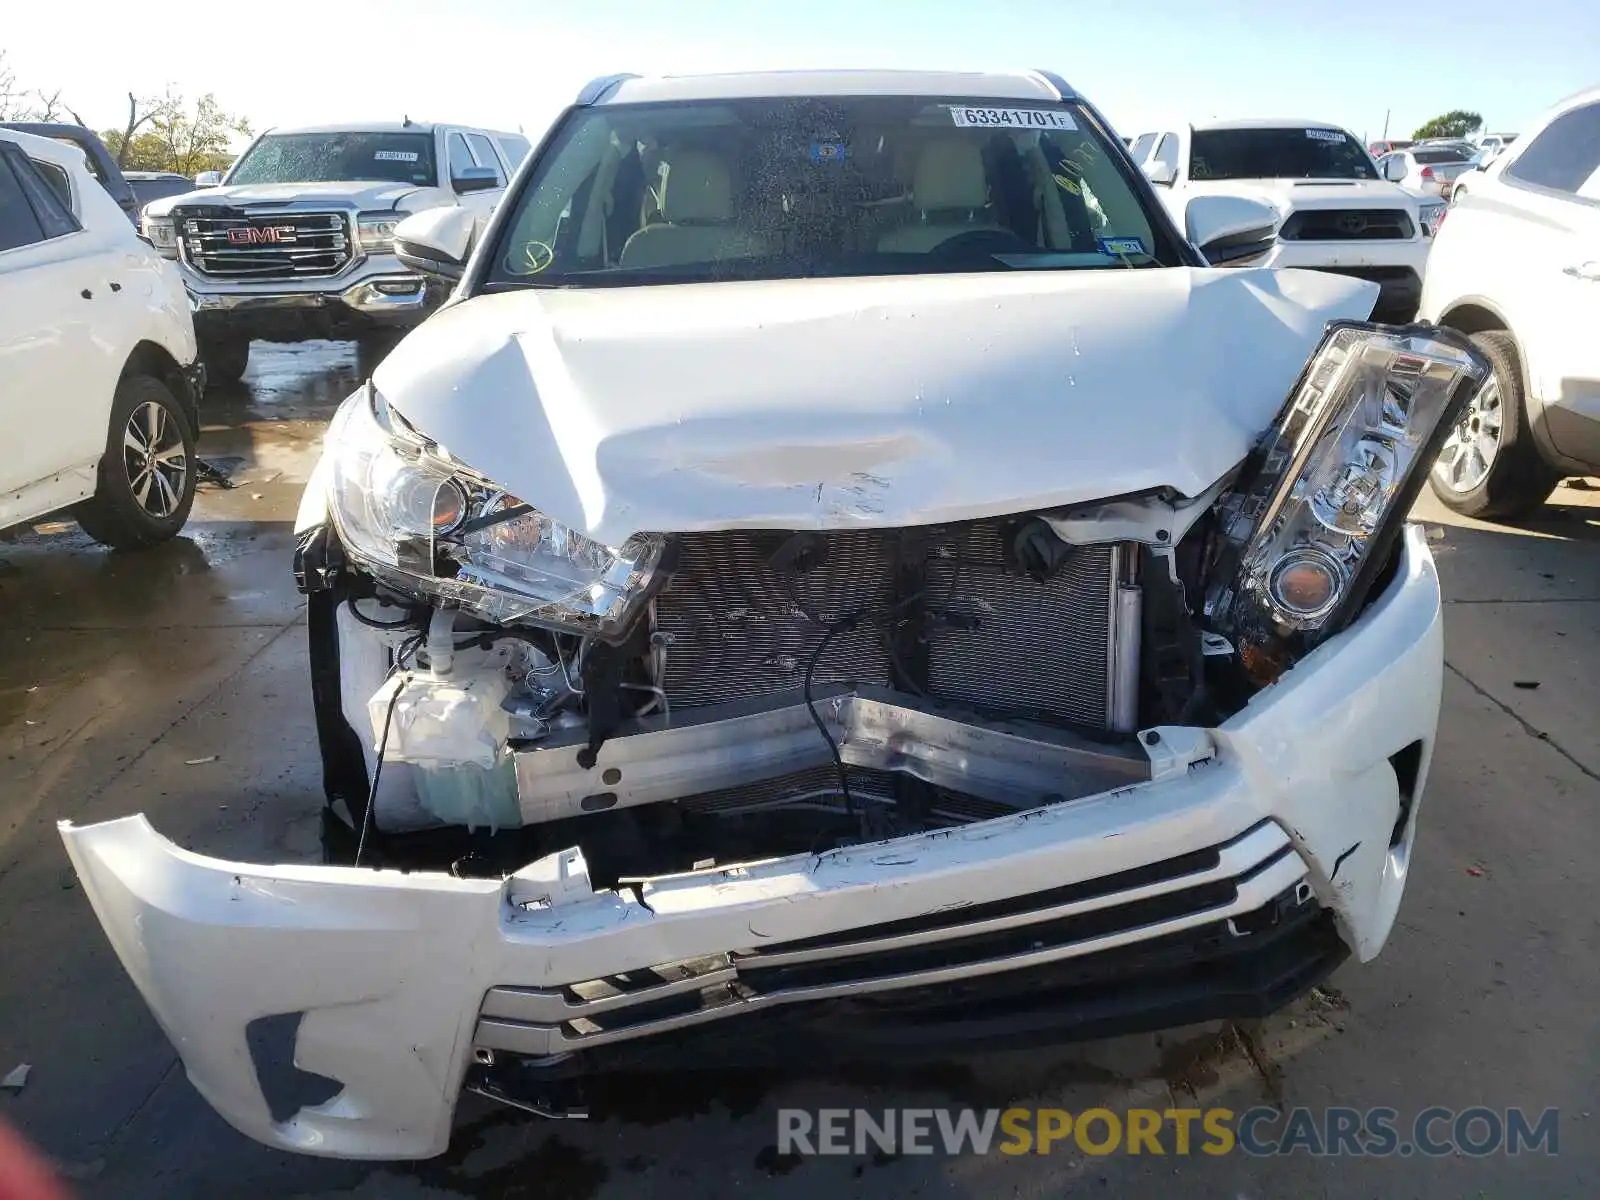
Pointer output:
x,y
1456,123
29,104
177,139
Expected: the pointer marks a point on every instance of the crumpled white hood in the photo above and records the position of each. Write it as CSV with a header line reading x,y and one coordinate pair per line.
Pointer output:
x,y
806,404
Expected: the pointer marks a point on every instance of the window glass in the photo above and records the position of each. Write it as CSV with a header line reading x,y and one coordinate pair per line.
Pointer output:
x,y
337,158
777,188
55,218
516,149
1564,155
18,224
1167,151
460,157
483,151
1283,153
57,180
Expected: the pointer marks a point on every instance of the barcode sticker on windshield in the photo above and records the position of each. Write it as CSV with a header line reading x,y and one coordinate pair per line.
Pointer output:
x,y
1010,118
394,156
1325,135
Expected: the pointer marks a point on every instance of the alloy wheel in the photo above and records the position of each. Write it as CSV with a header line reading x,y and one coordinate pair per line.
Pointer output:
x,y
1469,452
154,458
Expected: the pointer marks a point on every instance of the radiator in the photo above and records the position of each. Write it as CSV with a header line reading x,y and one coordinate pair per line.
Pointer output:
x,y
745,612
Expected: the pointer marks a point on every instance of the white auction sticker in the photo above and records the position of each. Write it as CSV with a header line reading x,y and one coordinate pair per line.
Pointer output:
x,y
1010,118
395,156
1325,135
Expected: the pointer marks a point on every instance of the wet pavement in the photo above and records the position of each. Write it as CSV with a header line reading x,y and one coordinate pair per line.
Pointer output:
x,y
174,683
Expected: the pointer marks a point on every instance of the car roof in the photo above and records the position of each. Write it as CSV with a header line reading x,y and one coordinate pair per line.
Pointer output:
x,y
1014,85
382,127
1267,123
63,154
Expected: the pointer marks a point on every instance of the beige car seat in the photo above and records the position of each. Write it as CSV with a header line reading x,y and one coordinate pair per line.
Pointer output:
x,y
951,195
697,218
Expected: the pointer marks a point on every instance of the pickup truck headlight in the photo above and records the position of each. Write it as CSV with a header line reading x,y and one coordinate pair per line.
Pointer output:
x,y
427,524
375,230
162,233
1319,502
1429,215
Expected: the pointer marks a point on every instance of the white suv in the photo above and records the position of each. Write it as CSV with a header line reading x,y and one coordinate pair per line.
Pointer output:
x,y
1517,266
1337,214
98,378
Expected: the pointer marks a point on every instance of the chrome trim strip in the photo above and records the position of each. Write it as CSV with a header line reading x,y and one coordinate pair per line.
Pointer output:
x,y
1021,764
495,1033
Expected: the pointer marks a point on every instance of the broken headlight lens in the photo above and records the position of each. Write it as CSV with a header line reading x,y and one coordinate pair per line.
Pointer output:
x,y
427,524
1319,502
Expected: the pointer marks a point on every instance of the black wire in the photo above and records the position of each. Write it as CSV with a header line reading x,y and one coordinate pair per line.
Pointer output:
x,y
372,623
837,627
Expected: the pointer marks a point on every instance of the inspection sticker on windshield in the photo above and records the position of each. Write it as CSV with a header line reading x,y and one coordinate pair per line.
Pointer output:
x,y
394,156
1325,135
1121,247
1010,118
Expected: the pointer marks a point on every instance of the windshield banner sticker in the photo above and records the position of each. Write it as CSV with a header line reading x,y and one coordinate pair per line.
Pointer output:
x,y
1325,135
1121,247
1010,118
394,156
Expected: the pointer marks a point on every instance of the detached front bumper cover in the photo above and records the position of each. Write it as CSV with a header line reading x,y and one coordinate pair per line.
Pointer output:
x,y
404,983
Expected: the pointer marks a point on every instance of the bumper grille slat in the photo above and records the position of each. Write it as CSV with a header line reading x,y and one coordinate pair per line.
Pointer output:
x,y
1206,888
292,245
746,610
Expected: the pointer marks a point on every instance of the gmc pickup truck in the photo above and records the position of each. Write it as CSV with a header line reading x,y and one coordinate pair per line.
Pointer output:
x,y
297,241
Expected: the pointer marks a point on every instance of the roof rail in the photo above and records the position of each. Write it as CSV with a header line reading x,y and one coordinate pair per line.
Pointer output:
x,y
596,90
1063,89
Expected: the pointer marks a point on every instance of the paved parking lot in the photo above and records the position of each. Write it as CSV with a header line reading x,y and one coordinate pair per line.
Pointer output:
x,y
174,683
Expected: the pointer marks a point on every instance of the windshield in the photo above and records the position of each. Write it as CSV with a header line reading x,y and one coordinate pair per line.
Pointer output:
x,y
790,187
338,157
1291,153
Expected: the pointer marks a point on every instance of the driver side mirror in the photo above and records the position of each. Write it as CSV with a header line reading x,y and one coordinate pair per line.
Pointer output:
x,y
1230,230
474,179
208,179
436,241
1160,173
1394,170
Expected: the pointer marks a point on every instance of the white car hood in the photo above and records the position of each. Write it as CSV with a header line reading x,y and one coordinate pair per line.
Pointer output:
x,y
358,194
820,404
1288,195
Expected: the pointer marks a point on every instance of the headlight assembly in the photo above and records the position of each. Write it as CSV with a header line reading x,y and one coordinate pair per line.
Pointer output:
x,y
426,524
375,230
1430,215
1319,502
162,233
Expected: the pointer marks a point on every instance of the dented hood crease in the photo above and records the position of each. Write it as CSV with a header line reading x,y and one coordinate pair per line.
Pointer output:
x,y
820,404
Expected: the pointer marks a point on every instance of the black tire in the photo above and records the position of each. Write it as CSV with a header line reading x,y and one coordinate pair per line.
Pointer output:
x,y
1518,479
226,355
115,515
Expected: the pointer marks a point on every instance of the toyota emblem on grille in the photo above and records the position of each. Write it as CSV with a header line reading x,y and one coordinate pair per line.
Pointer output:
x,y
255,235
1352,223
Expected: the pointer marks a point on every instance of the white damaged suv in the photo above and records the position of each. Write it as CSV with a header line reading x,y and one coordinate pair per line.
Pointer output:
x,y
841,573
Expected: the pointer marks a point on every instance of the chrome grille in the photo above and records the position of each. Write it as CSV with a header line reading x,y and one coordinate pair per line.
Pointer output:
x,y
282,245
745,612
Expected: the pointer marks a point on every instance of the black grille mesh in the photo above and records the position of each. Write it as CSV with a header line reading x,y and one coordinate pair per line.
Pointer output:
x,y
746,610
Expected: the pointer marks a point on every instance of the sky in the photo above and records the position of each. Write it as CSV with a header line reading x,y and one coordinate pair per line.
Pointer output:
x,y
1145,63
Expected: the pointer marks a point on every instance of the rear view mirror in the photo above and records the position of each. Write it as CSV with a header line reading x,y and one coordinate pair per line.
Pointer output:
x,y
208,179
1230,230
436,241
1394,170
